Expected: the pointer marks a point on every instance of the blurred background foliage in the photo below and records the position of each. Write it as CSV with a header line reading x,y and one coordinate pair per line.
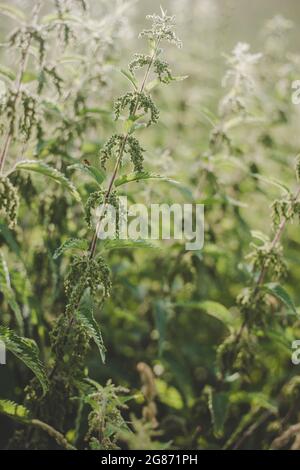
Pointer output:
x,y
168,312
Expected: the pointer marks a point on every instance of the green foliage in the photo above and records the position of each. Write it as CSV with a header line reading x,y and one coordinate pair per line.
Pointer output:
x,y
27,351
14,410
44,169
201,339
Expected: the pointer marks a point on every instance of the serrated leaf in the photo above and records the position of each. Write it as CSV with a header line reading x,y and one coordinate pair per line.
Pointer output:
x,y
281,294
8,293
214,309
95,173
12,409
121,244
180,78
71,244
85,315
13,12
272,181
142,176
71,58
10,240
7,73
130,77
260,236
60,17
46,170
27,351
218,407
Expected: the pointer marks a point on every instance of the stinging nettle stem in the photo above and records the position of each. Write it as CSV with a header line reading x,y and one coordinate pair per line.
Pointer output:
x,y
121,151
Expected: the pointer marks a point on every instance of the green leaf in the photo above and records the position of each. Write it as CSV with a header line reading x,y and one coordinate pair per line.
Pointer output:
x,y
142,176
213,309
120,244
10,240
218,407
46,170
130,77
71,244
169,395
12,409
281,294
7,73
86,316
27,351
180,78
13,12
272,181
8,293
255,399
152,84
95,173
161,313
52,18
72,58
260,236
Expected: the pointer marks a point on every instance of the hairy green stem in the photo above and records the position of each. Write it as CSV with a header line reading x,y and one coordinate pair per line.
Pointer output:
x,y
119,159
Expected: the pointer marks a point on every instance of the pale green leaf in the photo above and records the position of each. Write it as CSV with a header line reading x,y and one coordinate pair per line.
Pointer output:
x,y
95,173
7,73
71,244
121,244
46,170
55,17
142,176
13,12
130,77
281,294
213,309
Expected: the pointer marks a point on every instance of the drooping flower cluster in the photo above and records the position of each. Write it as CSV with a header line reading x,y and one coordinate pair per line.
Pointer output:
x,y
95,200
286,208
128,145
137,101
86,272
160,67
9,201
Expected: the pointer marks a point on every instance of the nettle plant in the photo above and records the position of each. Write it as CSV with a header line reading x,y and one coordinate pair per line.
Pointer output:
x,y
256,305
46,103
57,396
263,322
